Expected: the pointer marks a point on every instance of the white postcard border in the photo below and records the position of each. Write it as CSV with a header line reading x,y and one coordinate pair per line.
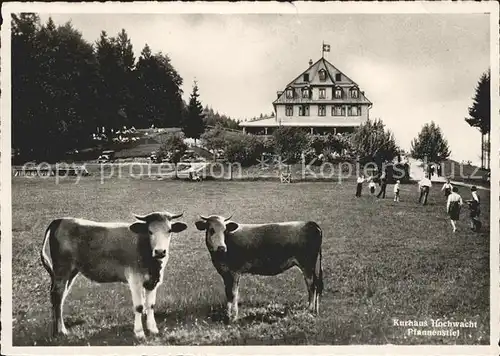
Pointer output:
x,y
241,8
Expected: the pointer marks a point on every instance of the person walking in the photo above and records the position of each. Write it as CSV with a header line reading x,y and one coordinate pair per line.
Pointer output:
x,y
424,186
396,191
453,206
447,187
475,209
359,186
383,185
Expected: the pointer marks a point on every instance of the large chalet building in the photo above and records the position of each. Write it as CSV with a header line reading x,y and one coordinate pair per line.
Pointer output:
x,y
321,100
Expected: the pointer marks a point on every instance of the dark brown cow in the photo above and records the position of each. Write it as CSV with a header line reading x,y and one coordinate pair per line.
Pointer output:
x,y
263,249
105,252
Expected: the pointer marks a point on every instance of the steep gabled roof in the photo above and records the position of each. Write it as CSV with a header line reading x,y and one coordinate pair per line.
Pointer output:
x,y
313,71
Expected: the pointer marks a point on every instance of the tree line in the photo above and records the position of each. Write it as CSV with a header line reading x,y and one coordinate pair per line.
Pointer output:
x,y
65,89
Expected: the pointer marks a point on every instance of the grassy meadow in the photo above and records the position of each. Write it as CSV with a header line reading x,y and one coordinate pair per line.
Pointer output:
x,y
382,261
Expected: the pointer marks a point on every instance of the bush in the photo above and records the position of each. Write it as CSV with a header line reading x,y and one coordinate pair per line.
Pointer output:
x,y
245,149
333,147
214,139
173,147
290,142
237,146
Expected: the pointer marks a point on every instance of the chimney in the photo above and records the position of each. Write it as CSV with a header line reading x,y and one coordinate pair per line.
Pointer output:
x,y
279,93
310,62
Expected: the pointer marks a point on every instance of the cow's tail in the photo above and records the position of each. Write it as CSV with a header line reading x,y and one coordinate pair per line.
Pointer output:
x,y
45,254
318,268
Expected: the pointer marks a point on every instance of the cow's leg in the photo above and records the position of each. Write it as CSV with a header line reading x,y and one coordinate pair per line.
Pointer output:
x,y
63,277
236,295
229,287
69,284
308,278
150,313
136,289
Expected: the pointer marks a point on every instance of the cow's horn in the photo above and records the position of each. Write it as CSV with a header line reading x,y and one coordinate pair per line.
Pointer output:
x,y
176,216
203,218
141,217
229,218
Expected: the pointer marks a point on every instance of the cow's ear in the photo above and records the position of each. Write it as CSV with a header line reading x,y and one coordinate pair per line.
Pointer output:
x,y
201,225
231,226
178,227
139,228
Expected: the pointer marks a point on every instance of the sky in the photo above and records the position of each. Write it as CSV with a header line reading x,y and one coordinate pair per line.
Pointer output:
x,y
414,68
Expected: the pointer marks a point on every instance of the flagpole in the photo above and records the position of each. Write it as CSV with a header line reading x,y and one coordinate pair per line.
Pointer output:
x,y
323,49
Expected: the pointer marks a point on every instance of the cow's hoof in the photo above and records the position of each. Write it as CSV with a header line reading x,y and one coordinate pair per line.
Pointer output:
x,y
60,333
139,334
153,330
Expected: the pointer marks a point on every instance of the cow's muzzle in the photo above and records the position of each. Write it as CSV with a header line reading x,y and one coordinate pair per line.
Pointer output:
x,y
159,253
221,252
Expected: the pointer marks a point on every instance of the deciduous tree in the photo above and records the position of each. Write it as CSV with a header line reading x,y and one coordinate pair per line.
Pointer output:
x,y
430,144
372,142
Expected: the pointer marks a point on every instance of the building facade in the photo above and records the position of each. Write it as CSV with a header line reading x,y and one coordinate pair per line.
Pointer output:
x,y
321,100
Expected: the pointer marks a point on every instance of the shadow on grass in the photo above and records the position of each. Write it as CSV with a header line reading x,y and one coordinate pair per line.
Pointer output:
x,y
216,313
115,335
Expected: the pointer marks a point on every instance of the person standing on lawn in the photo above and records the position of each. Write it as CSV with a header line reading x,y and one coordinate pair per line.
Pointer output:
x,y
371,185
424,187
453,206
359,186
447,187
383,185
396,191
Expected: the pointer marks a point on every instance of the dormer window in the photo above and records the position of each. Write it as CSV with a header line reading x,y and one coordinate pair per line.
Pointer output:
x,y
338,77
322,75
338,93
305,93
289,93
306,77
354,92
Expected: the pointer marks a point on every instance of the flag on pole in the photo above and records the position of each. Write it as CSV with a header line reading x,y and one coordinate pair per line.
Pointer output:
x,y
326,47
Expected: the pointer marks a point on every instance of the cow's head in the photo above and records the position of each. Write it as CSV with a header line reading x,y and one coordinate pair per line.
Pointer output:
x,y
158,226
215,227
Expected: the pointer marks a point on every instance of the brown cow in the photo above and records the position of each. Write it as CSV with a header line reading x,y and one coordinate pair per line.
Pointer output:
x,y
105,252
263,249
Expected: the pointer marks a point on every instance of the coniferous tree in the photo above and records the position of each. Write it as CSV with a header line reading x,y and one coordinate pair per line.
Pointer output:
x,y
193,124
51,111
480,116
158,90
25,71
